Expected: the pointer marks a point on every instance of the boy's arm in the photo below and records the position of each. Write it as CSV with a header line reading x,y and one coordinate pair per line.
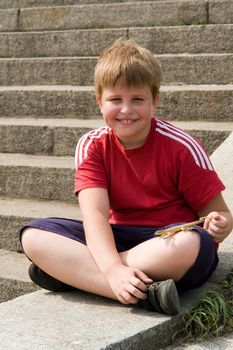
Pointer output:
x,y
221,223
127,283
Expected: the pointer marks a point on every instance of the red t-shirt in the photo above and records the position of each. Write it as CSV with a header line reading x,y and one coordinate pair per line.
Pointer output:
x,y
167,180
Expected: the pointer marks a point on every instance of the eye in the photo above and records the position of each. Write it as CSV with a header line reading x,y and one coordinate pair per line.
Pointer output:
x,y
138,99
115,99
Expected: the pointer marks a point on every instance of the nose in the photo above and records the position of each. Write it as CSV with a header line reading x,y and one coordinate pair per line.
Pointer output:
x,y
126,108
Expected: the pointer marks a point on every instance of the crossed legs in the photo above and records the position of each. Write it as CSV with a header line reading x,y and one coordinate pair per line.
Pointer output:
x,y
69,261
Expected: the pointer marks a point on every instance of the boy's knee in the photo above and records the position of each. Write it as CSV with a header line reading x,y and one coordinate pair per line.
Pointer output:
x,y
188,246
29,241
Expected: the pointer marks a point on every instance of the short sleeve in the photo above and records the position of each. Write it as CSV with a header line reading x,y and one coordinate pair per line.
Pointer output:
x,y
198,181
90,170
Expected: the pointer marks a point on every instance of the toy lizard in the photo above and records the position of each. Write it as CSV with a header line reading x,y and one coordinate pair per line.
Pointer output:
x,y
179,228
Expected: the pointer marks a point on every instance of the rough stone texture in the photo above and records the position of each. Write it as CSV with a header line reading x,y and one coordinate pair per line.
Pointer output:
x,y
222,159
122,15
70,43
220,11
197,102
14,213
162,40
24,176
192,39
197,69
11,289
60,140
36,71
96,322
189,69
40,3
8,20
208,102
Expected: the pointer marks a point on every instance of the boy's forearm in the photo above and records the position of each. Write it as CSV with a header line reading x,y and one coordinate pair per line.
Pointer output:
x,y
101,244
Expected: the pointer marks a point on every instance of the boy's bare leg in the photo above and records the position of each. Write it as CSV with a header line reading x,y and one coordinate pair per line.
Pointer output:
x,y
70,261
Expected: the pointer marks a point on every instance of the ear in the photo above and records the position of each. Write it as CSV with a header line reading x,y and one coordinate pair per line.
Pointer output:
x,y
98,99
156,102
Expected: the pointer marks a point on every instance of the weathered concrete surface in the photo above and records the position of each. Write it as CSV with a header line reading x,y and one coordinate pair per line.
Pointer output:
x,y
83,321
28,176
222,160
178,102
14,213
190,69
41,3
8,20
220,11
122,15
59,137
192,39
160,40
14,280
55,43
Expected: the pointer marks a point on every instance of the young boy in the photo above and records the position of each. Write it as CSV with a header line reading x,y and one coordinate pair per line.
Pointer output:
x,y
134,176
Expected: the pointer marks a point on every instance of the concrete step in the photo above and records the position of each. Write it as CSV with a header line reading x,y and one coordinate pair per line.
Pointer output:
x,y
160,40
178,102
70,312
7,4
16,212
59,137
14,280
104,15
117,14
37,177
190,69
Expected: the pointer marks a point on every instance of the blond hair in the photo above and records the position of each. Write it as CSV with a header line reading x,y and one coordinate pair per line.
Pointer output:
x,y
130,63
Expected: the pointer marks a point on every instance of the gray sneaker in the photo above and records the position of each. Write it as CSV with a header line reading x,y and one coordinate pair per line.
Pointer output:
x,y
163,297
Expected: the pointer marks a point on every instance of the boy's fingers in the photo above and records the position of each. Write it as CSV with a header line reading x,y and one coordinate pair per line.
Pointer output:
x,y
143,277
139,284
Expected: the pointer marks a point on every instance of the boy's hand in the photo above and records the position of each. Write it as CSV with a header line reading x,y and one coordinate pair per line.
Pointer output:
x,y
129,284
217,226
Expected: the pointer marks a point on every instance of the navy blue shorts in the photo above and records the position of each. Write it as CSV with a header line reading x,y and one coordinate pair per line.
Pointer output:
x,y
127,237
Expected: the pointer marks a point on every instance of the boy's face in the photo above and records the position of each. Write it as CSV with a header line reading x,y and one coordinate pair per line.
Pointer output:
x,y
128,111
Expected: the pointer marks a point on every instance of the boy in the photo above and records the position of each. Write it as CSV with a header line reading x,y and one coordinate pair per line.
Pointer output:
x,y
134,176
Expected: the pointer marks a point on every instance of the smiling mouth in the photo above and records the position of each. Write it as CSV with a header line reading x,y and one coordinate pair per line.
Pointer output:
x,y
126,121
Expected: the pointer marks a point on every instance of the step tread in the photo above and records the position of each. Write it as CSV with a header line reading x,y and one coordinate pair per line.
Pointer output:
x,y
30,208
181,87
96,123
27,160
83,58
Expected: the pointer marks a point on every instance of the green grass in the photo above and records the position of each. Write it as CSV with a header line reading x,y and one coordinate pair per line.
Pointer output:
x,y
211,316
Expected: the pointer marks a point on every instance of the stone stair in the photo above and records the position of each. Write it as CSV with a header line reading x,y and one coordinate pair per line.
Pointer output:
x,y
48,50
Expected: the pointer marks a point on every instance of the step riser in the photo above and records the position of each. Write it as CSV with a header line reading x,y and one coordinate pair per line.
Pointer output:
x,y
40,140
79,71
117,15
9,20
37,183
10,289
221,11
9,231
59,141
175,105
191,39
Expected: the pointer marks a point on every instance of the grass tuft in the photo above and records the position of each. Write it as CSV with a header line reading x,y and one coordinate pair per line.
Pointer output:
x,y
211,316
